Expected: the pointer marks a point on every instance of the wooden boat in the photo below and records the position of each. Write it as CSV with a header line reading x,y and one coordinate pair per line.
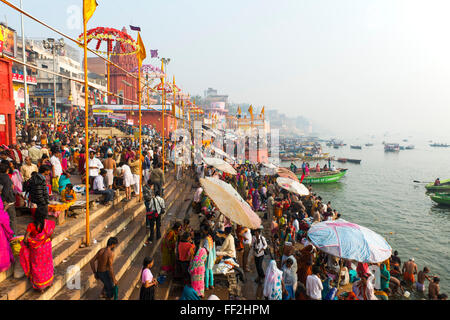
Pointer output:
x,y
354,161
323,177
439,145
323,156
289,158
391,147
343,160
356,147
444,186
441,198
402,148
369,144
410,147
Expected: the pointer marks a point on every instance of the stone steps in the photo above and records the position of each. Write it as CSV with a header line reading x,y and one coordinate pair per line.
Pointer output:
x,y
133,277
68,238
131,241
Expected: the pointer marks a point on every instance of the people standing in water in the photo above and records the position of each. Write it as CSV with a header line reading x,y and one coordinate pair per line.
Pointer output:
x,y
409,270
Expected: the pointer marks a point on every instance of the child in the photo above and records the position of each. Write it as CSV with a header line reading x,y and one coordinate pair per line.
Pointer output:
x,y
68,195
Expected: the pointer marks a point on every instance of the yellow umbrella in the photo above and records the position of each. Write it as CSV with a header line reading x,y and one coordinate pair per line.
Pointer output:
x,y
230,203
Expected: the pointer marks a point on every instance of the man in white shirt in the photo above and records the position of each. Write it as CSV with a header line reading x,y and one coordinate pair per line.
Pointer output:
x,y
228,249
94,166
99,187
259,247
247,241
314,285
28,168
34,153
56,165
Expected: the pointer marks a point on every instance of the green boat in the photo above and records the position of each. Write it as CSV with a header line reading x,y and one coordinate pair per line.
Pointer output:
x,y
444,186
323,177
441,198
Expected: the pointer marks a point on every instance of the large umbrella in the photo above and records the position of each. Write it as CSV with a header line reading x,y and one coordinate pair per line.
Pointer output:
x,y
286,173
222,153
220,165
230,203
347,240
292,186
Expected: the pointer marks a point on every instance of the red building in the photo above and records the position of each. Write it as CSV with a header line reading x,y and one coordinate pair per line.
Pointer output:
x,y
155,119
121,83
7,108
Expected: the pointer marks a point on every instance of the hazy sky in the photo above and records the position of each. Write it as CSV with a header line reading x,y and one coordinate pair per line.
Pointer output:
x,y
352,66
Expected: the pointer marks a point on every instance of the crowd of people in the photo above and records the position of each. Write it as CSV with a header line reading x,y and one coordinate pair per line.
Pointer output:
x,y
296,269
37,171
39,168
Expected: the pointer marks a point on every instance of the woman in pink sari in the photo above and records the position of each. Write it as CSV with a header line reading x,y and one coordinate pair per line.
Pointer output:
x,y
36,253
6,234
197,271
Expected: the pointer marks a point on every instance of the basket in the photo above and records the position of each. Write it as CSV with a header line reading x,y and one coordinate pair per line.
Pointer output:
x,y
15,245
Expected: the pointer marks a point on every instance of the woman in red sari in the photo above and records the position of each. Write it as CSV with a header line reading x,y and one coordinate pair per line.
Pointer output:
x,y
82,161
36,253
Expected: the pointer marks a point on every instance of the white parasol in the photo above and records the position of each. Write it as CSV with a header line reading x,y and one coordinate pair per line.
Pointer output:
x,y
220,164
230,203
292,186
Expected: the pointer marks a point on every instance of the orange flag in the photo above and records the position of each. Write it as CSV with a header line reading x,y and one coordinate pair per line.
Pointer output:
x,y
142,54
89,7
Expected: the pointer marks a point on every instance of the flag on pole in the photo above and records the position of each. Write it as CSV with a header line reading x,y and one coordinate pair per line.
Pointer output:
x,y
262,111
239,110
142,54
250,110
154,53
135,28
303,177
89,7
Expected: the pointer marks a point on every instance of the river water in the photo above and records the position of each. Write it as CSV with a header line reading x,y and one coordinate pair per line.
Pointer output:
x,y
380,194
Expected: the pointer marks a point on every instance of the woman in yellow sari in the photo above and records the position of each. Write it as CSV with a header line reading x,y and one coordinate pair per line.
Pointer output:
x,y
168,245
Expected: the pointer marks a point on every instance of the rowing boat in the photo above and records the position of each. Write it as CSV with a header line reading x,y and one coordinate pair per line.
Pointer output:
x,y
323,177
444,186
441,198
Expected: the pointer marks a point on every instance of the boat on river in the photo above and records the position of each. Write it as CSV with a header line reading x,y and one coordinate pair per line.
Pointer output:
x,y
356,147
444,186
441,198
391,147
344,160
439,145
323,177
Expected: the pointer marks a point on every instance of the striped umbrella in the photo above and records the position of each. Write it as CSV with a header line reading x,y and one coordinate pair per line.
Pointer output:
x,y
349,241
